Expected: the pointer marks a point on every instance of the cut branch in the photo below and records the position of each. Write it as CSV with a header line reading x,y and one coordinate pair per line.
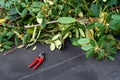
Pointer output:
x,y
36,25
8,52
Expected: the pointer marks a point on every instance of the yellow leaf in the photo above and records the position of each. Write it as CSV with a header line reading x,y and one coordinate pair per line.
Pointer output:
x,y
92,32
96,29
2,20
89,34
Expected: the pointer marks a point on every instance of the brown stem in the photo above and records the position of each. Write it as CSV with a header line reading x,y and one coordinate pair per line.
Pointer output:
x,y
8,52
114,8
19,17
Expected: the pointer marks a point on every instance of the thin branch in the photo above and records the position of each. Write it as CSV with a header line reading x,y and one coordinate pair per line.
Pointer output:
x,y
36,25
17,18
8,52
114,8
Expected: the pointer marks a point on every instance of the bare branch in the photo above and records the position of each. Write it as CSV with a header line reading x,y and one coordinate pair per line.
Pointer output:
x,y
36,25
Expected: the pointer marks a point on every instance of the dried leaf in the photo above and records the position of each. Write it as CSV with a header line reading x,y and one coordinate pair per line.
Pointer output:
x,y
34,48
21,46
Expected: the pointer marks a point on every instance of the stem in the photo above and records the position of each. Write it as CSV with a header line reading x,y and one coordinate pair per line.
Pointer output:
x,y
36,25
34,40
34,33
82,23
17,18
8,52
105,8
84,2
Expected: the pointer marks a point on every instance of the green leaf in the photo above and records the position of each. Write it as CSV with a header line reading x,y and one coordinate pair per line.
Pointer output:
x,y
8,43
111,58
91,26
35,9
82,32
12,11
115,24
26,37
52,46
93,42
16,40
101,41
66,20
7,47
86,47
23,4
66,30
1,49
58,43
98,24
30,30
24,12
74,41
66,35
56,37
100,54
77,33
31,12
113,51
40,15
36,4
90,53
95,10
110,44
4,33
10,34
44,23
2,3
39,20
17,10
109,16
112,2
83,41
75,44
101,31
1,39
116,17
26,1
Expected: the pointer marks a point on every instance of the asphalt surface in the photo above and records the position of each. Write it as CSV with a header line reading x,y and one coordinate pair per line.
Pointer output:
x,y
66,64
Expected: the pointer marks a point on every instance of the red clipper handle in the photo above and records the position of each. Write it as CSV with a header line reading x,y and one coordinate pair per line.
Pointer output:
x,y
39,63
34,62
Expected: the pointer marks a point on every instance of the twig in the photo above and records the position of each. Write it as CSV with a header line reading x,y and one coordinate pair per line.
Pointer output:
x,y
14,19
8,52
114,8
19,17
36,25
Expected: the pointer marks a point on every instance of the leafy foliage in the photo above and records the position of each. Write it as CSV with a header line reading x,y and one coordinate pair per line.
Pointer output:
x,y
91,24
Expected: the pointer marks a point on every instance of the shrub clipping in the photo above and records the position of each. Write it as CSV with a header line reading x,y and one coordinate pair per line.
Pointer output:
x,y
91,24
